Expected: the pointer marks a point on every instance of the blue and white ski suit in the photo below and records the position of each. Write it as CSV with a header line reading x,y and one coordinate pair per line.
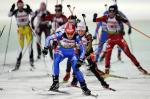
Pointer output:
x,y
66,49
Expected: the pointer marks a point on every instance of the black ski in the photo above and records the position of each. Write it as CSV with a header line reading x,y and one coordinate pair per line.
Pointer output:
x,y
60,91
114,76
45,90
92,95
111,89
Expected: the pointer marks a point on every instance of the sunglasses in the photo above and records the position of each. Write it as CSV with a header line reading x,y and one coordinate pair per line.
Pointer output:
x,y
112,11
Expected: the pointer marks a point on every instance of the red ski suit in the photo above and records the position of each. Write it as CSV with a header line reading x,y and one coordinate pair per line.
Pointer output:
x,y
116,38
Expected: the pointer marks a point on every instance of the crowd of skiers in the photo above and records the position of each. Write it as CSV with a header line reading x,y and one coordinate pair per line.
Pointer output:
x,y
69,37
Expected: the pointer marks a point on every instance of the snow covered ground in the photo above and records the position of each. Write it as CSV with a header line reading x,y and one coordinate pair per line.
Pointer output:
x,y
19,84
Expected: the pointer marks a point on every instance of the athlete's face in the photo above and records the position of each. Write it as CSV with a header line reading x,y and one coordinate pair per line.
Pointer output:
x,y
81,32
69,36
20,6
58,13
42,7
72,21
111,14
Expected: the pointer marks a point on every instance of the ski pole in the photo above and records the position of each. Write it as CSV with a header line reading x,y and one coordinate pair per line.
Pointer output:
x,y
62,2
83,15
69,7
56,1
2,30
115,1
46,3
35,35
140,32
106,7
73,10
8,41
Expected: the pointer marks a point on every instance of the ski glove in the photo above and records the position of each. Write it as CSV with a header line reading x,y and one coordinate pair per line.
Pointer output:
x,y
28,8
79,63
78,20
89,37
129,30
45,51
94,17
12,8
94,37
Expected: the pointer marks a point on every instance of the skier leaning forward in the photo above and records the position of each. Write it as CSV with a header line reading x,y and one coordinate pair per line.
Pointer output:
x,y
24,30
115,36
67,46
89,55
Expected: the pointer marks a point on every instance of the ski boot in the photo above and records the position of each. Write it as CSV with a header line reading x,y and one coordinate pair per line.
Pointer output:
x,y
106,71
32,62
18,63
143,71
84,88
39,52
39,57
55,85
74,81
31,59
17,66
104,84
67,76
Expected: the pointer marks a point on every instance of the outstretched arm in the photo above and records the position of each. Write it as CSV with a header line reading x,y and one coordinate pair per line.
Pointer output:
x,y
100,19
12,11
29,10
57,35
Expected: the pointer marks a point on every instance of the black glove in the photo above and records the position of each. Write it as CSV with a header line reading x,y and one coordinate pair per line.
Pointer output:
x,y
28,8
94,17
94,37
73,17
45,51
12,8
78,20
89,37
129,30
79,63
